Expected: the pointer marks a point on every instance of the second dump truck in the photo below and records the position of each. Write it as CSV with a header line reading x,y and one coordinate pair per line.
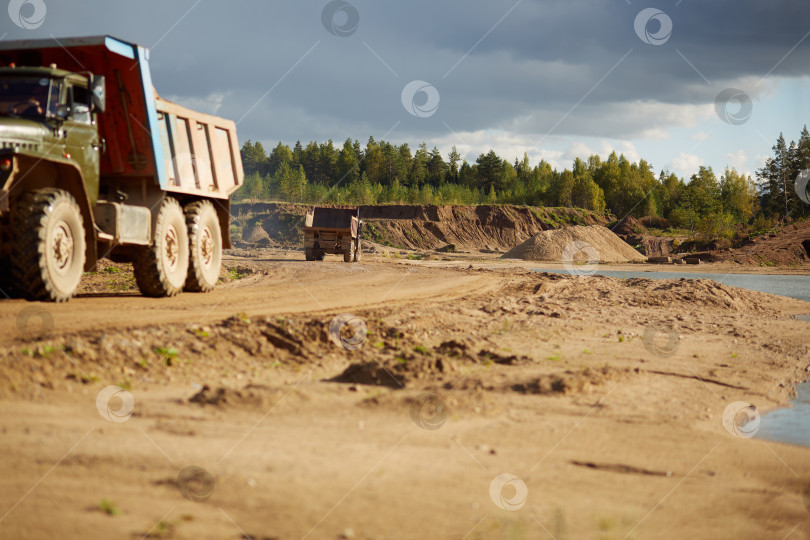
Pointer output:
x,y
94,164
332,230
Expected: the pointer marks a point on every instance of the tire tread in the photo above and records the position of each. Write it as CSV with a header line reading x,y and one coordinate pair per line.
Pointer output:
x,y
28,275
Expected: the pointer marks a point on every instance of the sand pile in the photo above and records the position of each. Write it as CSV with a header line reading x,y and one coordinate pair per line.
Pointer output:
x,y
577,244
255,233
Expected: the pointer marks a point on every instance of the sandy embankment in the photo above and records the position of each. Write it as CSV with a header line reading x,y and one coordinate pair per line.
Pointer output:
x,y
465,375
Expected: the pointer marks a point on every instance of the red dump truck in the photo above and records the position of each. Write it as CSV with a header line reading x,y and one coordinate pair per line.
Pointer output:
x,y
94,164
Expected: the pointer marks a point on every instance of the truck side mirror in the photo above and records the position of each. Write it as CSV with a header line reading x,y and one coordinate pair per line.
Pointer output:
x,y
98,97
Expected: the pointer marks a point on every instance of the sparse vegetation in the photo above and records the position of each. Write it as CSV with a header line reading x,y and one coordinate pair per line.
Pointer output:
x,y
234,273
109,507
169,354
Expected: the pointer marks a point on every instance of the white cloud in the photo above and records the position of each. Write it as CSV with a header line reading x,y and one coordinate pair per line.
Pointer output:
x,y
578,149
629,150
738,160
685,164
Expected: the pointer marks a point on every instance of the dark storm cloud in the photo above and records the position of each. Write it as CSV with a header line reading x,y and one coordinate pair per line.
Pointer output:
x,y
529,71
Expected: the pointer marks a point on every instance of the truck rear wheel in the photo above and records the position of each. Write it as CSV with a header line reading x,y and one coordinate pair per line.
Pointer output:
x,y
358,251
161,268
348,255
48,246
205,246
309,254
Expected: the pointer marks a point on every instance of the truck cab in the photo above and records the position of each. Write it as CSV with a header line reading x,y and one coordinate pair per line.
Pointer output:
x,y
53,112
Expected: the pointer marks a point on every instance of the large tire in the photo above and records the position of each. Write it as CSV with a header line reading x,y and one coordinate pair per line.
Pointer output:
x,y
309,254
48,245
161,268
205,246
348,256
358,251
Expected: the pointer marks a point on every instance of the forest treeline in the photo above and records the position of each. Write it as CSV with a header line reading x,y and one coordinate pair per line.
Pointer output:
x,y
384,173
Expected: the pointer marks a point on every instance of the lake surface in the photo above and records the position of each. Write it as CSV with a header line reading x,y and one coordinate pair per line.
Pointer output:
x,y
789,425
793,286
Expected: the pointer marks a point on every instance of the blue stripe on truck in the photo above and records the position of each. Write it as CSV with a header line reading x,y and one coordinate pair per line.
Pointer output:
x,y
151,114
119,47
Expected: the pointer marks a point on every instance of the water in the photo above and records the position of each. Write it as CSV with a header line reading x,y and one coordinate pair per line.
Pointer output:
x,y
789,425
792,286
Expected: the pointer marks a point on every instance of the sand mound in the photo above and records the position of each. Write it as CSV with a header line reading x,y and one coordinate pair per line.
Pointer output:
x,y
254,233
577,244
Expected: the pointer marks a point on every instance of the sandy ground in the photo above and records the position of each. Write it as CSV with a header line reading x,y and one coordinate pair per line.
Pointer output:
x,y
481,401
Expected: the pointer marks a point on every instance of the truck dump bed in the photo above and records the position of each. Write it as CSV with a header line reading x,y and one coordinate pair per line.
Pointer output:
x,y
183,151
332,219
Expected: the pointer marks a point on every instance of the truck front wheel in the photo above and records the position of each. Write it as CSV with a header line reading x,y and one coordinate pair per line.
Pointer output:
x,y
205,243
161,268
48,246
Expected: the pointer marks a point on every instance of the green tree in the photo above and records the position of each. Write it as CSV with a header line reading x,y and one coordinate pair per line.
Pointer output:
x,y
292,182
437,169
419,166
254,158
281,154
702,193
739,195
348,164
373,164
584,191
775,176
453,158
669,192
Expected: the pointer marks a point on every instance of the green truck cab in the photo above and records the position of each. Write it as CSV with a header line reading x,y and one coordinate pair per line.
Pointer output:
x,y
94,164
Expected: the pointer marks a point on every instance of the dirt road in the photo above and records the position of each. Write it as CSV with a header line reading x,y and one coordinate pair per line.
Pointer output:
x,y
476,404
283,284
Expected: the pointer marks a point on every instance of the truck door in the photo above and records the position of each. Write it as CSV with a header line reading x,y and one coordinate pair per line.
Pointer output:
x,y
81,137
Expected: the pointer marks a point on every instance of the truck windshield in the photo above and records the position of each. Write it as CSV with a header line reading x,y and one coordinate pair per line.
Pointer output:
x,y
29,96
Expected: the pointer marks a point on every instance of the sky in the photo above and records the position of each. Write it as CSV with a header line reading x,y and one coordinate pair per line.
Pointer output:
x,y
679,83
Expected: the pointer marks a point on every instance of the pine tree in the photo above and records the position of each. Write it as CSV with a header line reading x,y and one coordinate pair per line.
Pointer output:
x,y
775,176
281,154
254,158
348,165
453,158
